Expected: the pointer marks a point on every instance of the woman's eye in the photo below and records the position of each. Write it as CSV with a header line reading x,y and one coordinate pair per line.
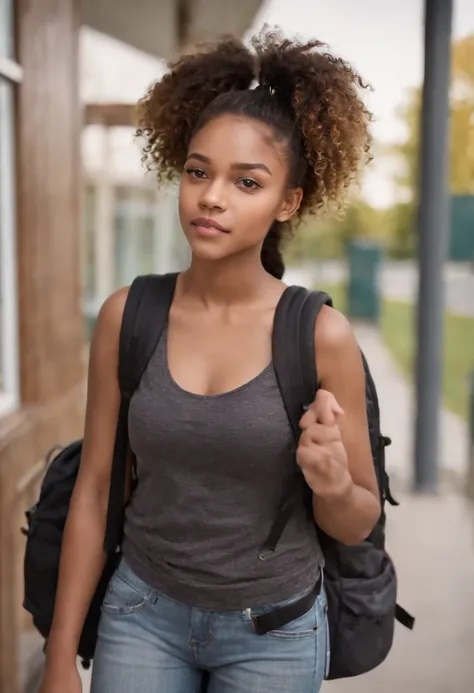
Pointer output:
x,y
249,184
195,173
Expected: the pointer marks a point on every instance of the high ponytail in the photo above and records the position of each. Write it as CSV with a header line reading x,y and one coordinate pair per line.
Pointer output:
x,y
168,113
307,97
272,257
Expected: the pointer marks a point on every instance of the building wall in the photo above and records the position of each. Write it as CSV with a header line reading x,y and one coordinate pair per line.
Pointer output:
x,y
50,404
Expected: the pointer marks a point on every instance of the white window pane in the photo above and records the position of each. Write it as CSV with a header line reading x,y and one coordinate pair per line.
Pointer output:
x,y
135,218
6,28
8,294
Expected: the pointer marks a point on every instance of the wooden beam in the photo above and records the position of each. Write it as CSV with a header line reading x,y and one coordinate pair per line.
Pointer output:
x,y
110,114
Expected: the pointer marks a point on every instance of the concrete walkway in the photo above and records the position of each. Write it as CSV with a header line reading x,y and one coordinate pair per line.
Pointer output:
x,y
431,542
397,409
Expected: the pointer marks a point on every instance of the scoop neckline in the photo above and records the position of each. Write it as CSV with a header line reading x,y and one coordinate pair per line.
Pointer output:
x,y
235,390
219,395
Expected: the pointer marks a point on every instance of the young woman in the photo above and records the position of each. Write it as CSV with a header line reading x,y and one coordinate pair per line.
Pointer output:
x,y
258,139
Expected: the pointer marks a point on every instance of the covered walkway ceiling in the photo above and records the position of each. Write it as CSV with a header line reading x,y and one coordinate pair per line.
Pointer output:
x,y
165,27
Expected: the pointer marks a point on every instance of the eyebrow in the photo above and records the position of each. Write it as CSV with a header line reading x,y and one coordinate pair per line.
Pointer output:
x,y
238,166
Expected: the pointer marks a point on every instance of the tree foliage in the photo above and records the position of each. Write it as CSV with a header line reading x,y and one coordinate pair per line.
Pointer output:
x,y
461,144
326,238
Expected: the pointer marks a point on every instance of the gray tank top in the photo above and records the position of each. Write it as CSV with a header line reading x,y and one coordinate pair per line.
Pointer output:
x,y
211,474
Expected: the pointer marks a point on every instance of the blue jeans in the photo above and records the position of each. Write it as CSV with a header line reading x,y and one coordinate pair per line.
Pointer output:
x,y
149,643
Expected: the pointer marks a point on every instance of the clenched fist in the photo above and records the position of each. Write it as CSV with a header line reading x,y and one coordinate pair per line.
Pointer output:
x,y
321,453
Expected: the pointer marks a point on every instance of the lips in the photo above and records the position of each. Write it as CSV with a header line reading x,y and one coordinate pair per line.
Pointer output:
x,y
208,225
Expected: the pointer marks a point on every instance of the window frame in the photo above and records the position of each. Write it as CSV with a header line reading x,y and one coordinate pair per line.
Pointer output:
x,y
10,70
11,75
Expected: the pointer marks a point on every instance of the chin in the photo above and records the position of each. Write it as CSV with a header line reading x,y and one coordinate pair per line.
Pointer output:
x,y
208,254
209,248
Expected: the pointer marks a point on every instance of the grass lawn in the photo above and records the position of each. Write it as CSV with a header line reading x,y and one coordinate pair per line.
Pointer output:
x,y
398,330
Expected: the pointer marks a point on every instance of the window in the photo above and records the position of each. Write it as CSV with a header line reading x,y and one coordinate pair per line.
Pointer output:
x,y
135,222
10,75
6,28
129,229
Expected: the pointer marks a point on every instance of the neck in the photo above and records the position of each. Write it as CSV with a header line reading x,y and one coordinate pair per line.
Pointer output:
x,y
228,281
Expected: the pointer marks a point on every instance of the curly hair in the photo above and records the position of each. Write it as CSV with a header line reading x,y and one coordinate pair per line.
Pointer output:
x,y
308,97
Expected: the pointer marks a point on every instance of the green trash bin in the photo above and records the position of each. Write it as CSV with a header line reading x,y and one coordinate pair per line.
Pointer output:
x,y
363,291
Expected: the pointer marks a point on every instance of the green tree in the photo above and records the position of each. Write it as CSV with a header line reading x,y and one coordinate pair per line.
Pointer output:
x,y
400,224
326,237
461,161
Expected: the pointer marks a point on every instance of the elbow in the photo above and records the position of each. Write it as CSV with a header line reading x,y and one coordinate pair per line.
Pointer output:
x,y
358,532
356,535
362,523
352,535
354,538
352,521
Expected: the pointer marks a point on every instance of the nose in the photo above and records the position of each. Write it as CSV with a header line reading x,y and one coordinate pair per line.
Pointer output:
x,y
213,196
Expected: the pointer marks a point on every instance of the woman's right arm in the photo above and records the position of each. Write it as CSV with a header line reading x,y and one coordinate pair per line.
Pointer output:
x,y
82,554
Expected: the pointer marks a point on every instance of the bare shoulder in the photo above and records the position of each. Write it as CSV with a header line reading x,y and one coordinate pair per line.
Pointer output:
x,y
104,347
104,353
337,351
333,330
110,315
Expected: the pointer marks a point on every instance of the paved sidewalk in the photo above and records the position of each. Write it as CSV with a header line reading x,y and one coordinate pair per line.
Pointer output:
x,y
397,415
432,544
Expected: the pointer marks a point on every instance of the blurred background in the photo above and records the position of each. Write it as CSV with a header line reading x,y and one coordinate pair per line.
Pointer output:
x,y
79,217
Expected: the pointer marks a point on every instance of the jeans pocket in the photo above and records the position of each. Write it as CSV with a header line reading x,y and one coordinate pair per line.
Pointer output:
x,y
126,594
302,627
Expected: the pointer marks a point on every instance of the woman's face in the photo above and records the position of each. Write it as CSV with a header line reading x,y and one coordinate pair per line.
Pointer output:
x,y
234,186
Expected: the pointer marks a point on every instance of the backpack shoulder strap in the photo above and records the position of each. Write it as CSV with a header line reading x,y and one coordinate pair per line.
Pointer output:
x,y
296,372
144,318
293,349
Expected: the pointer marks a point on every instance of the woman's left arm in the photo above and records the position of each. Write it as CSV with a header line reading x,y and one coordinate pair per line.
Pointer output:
x,y
334,449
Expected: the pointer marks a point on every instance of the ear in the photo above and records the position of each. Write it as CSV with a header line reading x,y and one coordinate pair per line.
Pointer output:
x,y
290,205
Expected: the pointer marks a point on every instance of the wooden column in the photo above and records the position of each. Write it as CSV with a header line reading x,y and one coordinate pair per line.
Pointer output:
x,y
50,313
49,182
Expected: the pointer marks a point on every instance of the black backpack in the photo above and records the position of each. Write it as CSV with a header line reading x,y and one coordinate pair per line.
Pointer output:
x,y
145,314
360,580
